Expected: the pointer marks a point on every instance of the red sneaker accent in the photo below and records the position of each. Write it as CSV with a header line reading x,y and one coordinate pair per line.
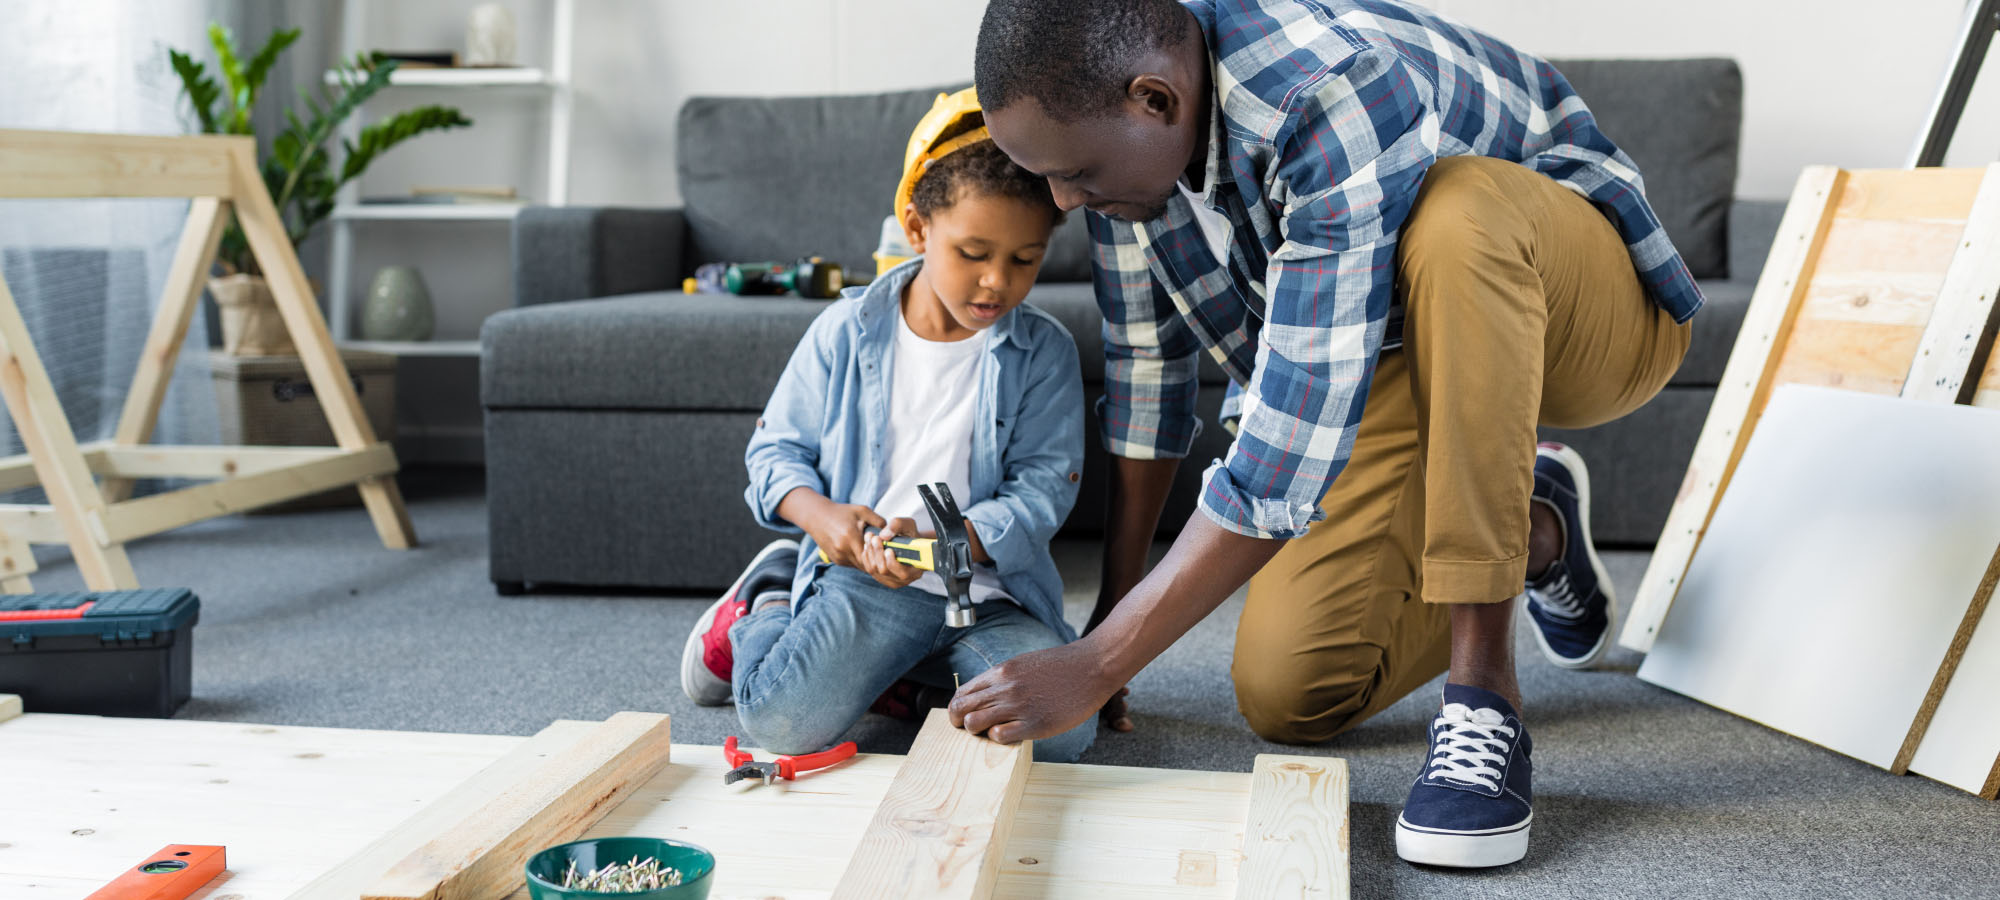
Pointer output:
x,y
716,653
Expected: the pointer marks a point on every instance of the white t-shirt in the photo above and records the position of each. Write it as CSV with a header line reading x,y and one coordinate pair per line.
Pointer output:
x,y
1214,225
933,402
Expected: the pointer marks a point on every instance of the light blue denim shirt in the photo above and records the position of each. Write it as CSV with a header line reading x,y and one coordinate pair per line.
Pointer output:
x,y
824,424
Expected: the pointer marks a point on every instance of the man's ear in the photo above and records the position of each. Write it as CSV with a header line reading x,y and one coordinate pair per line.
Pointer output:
x,y
915,227
1156,97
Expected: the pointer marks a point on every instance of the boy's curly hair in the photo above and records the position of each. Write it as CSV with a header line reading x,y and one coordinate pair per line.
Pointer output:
x,y
983,168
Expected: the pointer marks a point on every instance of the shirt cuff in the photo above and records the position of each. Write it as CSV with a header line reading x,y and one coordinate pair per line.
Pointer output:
x,y
1227,504
764,499
1172,440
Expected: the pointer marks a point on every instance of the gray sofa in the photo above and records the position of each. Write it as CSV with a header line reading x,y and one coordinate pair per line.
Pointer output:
x,y
617,408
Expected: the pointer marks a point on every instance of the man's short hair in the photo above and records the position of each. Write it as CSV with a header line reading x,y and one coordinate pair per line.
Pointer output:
x,y
1074,57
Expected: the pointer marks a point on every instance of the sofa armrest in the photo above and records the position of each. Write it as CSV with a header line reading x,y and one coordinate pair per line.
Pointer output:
x,y
582,252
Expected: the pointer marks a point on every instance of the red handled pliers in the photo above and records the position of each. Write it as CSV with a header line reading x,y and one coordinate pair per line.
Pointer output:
x,y
786,767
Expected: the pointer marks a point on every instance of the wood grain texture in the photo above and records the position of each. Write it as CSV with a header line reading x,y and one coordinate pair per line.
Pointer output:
x,y
1882,256
185,280
1961,332
942,825
265,232
59,465
481,858
134,519
85,796
1745,382
78,164
1295,842
352,876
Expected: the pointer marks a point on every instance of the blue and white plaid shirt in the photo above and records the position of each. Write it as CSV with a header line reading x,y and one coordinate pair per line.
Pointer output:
x,y
1328,114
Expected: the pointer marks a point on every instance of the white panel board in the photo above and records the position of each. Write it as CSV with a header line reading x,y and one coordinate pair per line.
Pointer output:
x,y
1838,567
1962,746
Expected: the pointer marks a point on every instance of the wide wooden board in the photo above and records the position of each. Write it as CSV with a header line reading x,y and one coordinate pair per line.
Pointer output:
x,y
941,827
83,798
1832,585
1846,298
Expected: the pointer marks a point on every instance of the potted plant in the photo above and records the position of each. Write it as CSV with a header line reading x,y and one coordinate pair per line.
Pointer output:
x,y
299,171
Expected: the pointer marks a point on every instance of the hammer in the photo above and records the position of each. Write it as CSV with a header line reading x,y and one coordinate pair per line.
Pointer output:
x,y
949,554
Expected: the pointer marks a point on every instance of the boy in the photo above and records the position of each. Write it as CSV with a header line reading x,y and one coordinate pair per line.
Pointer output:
x,y
934,372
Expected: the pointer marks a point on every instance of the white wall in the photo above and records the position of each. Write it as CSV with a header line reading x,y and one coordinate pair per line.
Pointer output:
x,y
1843,83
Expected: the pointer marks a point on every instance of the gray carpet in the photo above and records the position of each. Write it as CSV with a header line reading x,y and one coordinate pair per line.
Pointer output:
x,y
306,620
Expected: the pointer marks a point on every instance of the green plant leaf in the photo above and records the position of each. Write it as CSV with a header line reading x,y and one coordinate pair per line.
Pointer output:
x,y
237,118
201,90
260,65
377,138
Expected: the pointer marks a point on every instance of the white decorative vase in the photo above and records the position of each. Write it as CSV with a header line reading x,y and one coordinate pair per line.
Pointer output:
x,y
489,36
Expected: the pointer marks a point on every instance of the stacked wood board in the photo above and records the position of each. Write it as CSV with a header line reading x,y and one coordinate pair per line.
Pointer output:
x,y
327,813
1882,283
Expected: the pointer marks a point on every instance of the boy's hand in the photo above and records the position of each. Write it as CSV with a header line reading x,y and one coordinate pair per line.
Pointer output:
x,y
881,563
841,530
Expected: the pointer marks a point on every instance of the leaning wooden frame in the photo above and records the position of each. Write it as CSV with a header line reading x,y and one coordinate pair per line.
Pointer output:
x,y
1880,281
219,175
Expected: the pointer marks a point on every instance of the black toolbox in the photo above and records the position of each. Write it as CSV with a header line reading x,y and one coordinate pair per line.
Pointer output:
x,y
103,653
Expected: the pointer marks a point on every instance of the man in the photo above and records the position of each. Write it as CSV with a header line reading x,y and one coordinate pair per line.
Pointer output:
x,y
1408,244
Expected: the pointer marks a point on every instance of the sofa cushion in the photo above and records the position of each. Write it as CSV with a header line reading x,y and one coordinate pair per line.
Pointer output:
x,y
776,178
1681,121
664,350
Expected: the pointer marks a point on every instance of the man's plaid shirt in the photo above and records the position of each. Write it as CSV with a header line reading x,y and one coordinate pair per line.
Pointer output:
x,y
1328,113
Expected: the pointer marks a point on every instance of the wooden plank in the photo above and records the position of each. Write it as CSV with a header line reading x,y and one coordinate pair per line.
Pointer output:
x,y
79,164
59,464
353,876
1987,393
1295,844
1962,330
1820,556
83,796
33,523
482,857
942,826
17,562
335,392
134,519
1745,383
199,239
10,706
203,462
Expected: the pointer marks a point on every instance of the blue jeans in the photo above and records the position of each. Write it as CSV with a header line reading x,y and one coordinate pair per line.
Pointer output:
x,y
804,675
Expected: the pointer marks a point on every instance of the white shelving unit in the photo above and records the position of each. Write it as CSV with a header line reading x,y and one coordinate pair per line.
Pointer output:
x,y
349,212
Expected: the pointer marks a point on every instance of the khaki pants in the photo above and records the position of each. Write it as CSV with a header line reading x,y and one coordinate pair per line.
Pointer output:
x,y
1522,308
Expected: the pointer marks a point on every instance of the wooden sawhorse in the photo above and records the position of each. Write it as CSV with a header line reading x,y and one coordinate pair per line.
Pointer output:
x,y
220,174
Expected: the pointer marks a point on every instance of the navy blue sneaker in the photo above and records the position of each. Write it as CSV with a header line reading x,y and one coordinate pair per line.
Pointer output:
x,y
1473,803
1571,603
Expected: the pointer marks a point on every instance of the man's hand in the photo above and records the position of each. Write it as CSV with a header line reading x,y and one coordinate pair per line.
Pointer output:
x,y
1034,695
881,563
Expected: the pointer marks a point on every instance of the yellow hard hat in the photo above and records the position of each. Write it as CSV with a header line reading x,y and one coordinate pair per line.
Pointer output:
x,y
954,122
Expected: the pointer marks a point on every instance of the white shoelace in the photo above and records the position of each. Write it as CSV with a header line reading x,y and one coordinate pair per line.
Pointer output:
x,y
1559,597
1469,744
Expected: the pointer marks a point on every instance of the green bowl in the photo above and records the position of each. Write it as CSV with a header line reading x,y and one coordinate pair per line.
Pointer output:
x,y
545,869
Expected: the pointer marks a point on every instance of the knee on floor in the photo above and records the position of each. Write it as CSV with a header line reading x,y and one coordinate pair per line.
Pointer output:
x,y
1287,706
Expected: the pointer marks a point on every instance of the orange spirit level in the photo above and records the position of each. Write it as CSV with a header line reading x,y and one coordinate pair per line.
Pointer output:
x,y
175,872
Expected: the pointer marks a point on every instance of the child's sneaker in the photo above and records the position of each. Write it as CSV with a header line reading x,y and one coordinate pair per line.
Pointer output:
x,y
1473,803
1571,603
708,660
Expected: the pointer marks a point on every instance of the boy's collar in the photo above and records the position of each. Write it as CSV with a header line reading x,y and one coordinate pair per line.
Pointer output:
x,y
881,301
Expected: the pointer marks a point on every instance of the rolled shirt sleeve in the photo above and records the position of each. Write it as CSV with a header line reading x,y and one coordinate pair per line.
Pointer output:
x,y
1150,362
1347,175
